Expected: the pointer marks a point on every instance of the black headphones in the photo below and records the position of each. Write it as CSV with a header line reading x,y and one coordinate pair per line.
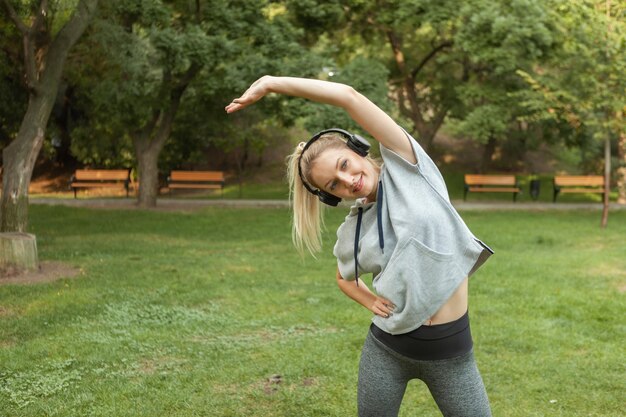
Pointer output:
x,y
355,142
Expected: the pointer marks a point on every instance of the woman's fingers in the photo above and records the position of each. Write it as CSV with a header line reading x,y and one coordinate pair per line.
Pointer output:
x,y
253,94
383,307
233,107
388,304
241,102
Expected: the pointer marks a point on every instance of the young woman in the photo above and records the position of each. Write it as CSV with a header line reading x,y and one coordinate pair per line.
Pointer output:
x,y
402,229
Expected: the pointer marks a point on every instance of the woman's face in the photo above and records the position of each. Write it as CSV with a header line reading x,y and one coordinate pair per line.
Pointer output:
x,y
345,174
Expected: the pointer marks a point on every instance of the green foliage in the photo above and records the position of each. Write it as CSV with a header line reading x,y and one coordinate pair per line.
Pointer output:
x,y
581,89
497,40
13,96
520,72
503,36
140,49
368,77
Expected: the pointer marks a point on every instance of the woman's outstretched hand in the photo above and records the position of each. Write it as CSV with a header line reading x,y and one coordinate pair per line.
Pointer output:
x,y
254,93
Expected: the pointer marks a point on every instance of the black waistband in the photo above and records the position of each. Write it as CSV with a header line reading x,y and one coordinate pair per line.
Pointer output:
x,y
440,341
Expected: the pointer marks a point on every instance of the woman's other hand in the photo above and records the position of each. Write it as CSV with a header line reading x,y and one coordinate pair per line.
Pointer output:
x,y
254,93
382,307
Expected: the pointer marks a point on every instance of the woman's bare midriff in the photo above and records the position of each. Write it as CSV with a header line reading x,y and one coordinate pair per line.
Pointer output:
x,y
454,308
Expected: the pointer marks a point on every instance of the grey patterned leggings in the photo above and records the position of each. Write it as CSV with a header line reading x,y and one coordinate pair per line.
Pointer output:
x,y
455,384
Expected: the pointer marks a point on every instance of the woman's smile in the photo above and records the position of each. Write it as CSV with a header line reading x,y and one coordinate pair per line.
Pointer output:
x,y
358,185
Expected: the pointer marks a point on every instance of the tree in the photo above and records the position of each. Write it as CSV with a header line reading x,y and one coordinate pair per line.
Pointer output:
x,y
497,41
46,43
174,60
445,59
367,76
583,83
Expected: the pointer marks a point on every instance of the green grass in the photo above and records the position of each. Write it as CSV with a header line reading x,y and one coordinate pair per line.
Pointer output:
x,y
189,314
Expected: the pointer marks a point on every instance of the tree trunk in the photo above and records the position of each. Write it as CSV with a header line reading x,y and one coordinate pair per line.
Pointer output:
x,y
607,180
20,156
621,170
490,148
18,251
18,163
148,172
149,141
426,129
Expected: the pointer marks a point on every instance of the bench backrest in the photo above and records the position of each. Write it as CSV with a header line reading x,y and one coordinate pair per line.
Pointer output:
x,y
489,179
197,176
579,180
102,174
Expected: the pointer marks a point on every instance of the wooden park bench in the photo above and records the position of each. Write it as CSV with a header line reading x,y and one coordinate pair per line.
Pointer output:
x,y
196,180
98,178
578,184
491,184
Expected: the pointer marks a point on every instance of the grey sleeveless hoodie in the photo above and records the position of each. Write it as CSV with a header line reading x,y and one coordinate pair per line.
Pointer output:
x,y
411,239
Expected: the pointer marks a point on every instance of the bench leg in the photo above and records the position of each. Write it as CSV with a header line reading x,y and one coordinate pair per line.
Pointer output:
x,y
556,192
74,192
515,197
465,194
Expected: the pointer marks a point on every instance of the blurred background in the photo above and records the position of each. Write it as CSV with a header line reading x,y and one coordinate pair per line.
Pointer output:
x,y
487,86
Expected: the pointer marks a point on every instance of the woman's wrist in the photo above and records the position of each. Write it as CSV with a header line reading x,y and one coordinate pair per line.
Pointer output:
x,y
268,84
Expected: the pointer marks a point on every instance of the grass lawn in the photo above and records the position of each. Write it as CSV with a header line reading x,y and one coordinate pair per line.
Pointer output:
x,y
191,314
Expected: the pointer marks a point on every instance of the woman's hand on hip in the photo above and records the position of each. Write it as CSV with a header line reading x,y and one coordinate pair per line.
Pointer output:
x,y
254,93
382,307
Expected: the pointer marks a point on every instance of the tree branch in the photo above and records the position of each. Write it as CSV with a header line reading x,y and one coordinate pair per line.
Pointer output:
x,y
15,18
67,37
396,47
40,18
408,82
428,57
438,119
28,44
189,75
169,113
198,12
30,62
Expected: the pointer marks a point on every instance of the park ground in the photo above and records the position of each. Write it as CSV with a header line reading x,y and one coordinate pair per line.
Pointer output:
x,y
210,312
201,306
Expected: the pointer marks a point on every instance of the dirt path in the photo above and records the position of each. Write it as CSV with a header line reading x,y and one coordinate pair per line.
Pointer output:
x,y
169,204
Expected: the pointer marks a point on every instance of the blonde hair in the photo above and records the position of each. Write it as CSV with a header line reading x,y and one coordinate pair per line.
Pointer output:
x,y
308,211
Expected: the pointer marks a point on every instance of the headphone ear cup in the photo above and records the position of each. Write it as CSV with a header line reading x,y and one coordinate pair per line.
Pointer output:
x,y
328,198
358,145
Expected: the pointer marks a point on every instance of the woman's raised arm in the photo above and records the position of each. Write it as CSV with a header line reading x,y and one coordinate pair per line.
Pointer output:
x,y
369,116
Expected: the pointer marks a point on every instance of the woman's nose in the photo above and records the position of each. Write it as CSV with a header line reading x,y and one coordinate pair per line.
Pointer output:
x,y
346,179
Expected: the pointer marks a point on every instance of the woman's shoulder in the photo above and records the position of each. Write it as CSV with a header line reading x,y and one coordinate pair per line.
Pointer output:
x,y
391,157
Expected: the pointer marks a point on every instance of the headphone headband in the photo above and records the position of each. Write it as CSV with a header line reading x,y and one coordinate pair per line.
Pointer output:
x,y
354,142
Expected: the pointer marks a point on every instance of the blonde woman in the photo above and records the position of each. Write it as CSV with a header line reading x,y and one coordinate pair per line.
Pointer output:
x,y
402,229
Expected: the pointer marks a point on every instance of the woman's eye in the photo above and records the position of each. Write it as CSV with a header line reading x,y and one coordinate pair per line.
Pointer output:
x,y
333,185
345,164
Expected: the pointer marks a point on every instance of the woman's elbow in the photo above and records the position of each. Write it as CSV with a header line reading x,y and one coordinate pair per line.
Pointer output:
x,y
350,97
341,283
339,278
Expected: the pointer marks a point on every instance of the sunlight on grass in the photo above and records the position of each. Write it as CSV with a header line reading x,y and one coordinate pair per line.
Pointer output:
x,y
213,312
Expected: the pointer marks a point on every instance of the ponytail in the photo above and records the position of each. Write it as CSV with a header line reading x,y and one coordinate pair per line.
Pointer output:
x,y
308,219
